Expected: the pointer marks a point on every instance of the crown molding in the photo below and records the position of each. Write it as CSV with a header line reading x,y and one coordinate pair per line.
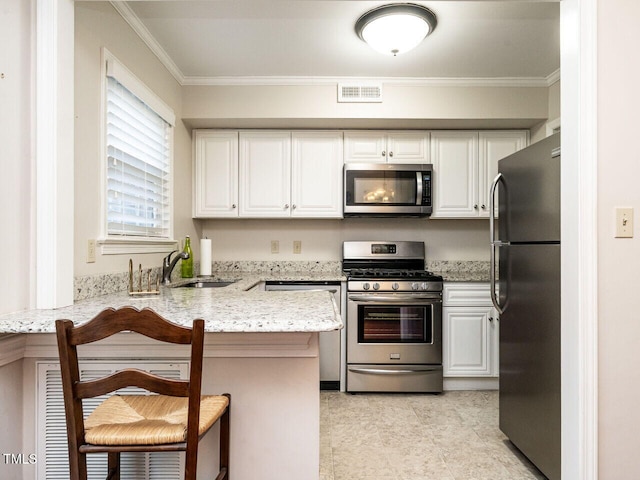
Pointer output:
x,y
397,81
553,77
145,35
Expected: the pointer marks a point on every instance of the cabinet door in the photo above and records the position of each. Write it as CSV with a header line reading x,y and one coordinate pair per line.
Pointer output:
x,y
265,174
365,146
215,174
494,146
408,147
455,174
466,348
316,174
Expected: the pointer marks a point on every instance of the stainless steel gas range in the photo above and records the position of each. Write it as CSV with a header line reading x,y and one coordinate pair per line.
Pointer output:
x,y
394,318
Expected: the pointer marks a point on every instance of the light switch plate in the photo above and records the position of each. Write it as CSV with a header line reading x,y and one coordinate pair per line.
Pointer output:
x,y
624,222
275,246
297,246
91,251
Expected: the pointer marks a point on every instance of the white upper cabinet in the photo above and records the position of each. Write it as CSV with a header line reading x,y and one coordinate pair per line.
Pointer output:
x,y
454,155
386,147
316,174
298,174
494,146
265,174
215,173
464,165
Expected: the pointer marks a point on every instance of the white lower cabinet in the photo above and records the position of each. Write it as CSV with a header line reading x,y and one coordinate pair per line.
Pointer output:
x,y
470,331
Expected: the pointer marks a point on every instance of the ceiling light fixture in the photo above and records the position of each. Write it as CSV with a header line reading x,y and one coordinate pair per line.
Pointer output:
x,y
396,28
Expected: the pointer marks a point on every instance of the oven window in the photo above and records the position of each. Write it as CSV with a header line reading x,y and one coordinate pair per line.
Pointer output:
x,y
376,188
394,324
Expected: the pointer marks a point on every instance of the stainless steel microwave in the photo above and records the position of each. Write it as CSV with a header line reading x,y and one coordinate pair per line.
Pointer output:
x,y
387,189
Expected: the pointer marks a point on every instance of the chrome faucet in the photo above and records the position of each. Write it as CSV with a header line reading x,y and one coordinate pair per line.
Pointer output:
x,y
168,265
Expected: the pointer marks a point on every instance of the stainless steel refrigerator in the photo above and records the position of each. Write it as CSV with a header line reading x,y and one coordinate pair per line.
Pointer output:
x,y
527,248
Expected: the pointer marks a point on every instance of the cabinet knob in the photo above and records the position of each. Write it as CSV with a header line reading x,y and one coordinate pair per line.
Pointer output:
x,y
384,153
293,206
491,319
234,206
475,207
286,206
484,207
391,154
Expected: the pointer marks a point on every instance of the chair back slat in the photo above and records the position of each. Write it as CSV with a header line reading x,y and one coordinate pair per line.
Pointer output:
x,y
146,322
132,377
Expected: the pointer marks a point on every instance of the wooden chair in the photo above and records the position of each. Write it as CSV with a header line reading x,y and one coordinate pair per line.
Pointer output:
x,y
174,420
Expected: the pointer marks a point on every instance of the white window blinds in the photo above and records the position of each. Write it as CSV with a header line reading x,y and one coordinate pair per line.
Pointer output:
x,y
138,173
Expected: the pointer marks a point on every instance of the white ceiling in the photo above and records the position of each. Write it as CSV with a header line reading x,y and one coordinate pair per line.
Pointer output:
x,y
235,39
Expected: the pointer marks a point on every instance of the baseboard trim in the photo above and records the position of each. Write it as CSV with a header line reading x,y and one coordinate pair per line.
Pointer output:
x,y
467,383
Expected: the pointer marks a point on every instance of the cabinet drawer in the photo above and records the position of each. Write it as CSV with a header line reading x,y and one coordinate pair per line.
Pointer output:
x,y
466,294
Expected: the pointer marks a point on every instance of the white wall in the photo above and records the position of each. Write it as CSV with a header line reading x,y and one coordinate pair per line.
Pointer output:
x,y
16,160
99,25
322,239
16,198
618,259
403,106
11,419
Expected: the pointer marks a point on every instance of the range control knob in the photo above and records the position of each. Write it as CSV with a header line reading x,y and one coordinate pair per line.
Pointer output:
x,y
424,285
415,286
366,286
376,286
395,286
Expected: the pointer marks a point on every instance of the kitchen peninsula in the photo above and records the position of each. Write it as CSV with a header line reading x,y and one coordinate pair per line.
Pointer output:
x,y
262,347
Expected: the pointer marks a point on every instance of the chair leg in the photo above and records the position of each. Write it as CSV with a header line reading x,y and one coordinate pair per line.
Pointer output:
x,y
224,442
113,465
77,465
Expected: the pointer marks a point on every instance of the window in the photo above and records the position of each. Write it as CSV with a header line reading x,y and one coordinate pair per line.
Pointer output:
x,y
138,149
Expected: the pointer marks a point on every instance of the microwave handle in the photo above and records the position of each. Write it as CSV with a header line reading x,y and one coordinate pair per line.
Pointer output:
x,y
419,188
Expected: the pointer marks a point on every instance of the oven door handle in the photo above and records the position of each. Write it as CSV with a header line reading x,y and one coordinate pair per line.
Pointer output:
x,y
404,371
395,299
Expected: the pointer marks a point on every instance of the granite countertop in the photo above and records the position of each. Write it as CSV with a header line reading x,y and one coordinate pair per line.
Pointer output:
x,y
234,308
461,271
228,309
465,276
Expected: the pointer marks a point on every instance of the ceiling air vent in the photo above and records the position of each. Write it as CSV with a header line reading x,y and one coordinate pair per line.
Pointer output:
x,y
359,92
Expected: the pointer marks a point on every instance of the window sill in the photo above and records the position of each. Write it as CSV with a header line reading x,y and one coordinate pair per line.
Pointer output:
x,y
123,246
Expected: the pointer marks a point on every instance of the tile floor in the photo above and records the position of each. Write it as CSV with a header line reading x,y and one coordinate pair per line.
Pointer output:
x,y
453,436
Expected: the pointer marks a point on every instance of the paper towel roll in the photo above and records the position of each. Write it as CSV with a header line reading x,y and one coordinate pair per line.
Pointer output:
x,y
205,256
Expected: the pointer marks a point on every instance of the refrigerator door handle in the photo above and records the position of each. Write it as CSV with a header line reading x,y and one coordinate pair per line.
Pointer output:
x,y
492,208
494,242
492,275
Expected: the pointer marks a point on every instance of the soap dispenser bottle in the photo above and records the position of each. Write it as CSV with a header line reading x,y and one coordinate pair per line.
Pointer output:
x,y
187,263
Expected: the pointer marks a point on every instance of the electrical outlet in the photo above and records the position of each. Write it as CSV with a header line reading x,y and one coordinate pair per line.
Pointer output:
x,y
275,246
297,246
91,251
624,222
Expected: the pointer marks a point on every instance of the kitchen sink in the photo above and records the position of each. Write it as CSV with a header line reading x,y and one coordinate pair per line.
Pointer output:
x,y
205,284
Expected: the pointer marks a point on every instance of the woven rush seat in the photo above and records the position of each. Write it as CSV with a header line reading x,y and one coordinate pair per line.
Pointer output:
x,y
148,419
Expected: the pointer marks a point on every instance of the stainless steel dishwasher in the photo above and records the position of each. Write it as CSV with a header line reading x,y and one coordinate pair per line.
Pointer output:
x,y
330,342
